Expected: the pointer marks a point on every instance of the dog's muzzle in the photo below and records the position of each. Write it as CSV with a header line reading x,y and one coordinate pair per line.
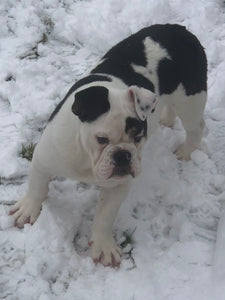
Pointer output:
x,y
122,163
117,162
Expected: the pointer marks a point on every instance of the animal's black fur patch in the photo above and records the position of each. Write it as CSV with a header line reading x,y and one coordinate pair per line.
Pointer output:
x,y
135,126
188,63
81,82
91,103
124,72
118,60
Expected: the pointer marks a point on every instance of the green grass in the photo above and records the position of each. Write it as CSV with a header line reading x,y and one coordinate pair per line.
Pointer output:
x,y
27,151
128,241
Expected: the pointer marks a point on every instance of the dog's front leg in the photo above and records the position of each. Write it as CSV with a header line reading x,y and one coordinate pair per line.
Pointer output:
x,y
103,245
28,208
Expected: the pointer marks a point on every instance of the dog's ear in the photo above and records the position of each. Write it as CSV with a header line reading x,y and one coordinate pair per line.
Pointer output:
x,y
91,103
144,101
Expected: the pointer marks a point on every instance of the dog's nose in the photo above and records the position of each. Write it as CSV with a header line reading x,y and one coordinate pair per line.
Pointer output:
x,y
122,157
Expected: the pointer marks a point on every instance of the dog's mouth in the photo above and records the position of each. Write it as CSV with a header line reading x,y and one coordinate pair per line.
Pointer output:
x,y
122,171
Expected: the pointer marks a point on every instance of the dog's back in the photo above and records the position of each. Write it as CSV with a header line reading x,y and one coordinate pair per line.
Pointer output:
x,y
170,51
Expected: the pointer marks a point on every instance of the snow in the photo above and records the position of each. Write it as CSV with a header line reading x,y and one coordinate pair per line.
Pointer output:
x,y
174,208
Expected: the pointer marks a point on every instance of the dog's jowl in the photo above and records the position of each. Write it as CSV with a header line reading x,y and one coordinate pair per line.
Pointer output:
x,y
97,132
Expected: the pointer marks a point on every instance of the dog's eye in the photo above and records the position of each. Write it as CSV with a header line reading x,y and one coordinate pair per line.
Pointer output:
x,y
102,140
137,139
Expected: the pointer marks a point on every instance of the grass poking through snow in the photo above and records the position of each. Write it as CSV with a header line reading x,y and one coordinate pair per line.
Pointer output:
x,y
27,151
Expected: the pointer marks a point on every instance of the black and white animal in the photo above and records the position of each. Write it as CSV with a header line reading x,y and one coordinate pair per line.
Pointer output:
x,y
97,132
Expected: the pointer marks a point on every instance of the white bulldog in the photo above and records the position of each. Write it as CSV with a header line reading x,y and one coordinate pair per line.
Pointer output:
x,y
97,132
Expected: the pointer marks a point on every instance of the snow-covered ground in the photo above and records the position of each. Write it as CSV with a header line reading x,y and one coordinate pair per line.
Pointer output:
x,y
168,224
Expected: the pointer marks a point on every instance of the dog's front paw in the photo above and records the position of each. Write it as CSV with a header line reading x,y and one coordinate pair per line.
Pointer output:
x,y
182,153
25,211
105,251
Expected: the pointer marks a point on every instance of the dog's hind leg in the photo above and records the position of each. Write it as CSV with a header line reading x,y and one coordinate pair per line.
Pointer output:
x,y
190,110
192,142
168,116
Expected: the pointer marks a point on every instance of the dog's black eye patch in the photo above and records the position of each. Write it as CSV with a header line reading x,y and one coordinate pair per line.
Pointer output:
x,y
91,103
134,127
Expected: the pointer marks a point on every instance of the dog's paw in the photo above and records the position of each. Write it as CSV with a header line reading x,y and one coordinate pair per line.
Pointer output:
x,y
25,211
182,153
106,252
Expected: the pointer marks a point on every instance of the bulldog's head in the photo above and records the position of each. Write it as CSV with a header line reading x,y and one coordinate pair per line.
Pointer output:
x,y
114,128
